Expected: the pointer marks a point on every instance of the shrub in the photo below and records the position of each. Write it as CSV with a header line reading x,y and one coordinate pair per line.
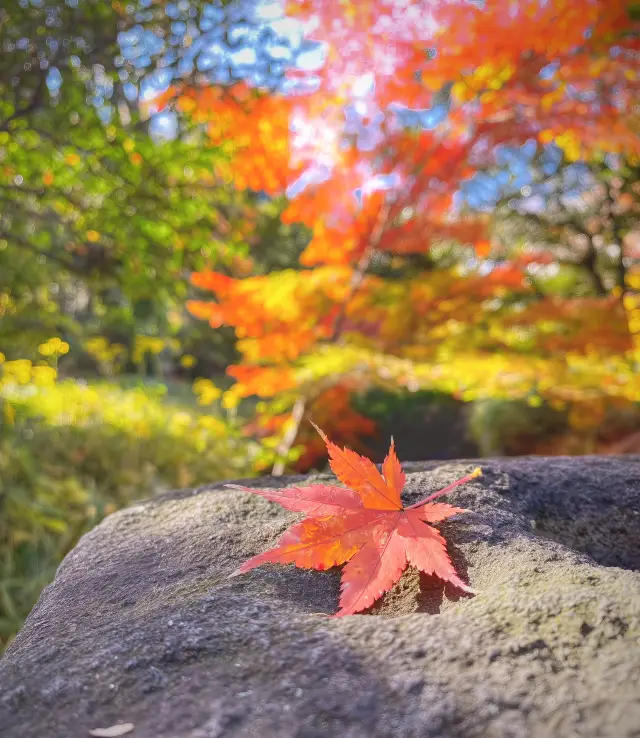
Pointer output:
x,y
71,453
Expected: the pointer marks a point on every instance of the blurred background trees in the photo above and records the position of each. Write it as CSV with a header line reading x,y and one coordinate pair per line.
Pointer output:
x,y
221,219
469,178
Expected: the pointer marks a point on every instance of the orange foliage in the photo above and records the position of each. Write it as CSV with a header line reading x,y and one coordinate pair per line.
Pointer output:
x,y
563,71
253,127
332,408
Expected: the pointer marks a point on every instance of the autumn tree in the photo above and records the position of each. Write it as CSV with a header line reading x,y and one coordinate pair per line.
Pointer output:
x,y
406,282
102,214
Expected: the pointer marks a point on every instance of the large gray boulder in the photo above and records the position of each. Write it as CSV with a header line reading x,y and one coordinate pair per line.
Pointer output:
x,y
142,625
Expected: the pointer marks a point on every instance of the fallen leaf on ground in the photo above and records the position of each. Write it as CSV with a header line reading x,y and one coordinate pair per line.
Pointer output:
x,y
363,525
113,732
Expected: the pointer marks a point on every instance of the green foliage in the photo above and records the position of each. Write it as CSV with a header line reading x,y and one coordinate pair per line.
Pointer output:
x,y
71,453
518,427
424,424
100,224
502,427
100,228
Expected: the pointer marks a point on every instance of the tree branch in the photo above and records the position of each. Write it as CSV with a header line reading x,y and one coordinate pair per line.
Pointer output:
x,y
357,279
26,244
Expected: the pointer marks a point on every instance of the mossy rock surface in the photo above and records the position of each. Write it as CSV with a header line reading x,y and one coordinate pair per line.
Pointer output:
x,y
142,625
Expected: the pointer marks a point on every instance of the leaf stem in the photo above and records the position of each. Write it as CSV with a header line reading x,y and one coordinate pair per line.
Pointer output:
x,y
475,473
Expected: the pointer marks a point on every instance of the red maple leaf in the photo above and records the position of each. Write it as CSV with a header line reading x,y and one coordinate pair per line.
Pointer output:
x,y
363,525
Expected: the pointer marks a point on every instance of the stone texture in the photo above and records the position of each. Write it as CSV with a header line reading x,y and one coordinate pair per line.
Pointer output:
x,y
142,624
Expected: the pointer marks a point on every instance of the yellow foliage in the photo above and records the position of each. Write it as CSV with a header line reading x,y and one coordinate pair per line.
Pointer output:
x,y
54,347
187,361
71,453
206,391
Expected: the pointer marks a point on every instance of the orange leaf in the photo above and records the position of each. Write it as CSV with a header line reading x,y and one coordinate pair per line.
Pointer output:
x,y
392,471
211,281
361,474
363,526
207,310
483,248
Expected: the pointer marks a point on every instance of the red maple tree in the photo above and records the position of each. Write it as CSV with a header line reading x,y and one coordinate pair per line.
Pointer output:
x,y
400,284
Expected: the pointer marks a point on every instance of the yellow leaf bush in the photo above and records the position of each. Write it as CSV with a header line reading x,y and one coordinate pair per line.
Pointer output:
x,y
71,453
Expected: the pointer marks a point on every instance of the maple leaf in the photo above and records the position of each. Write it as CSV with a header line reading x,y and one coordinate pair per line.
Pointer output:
x,y
362,525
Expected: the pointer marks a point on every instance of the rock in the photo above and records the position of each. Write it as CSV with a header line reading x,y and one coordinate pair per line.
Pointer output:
x,y
142,625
